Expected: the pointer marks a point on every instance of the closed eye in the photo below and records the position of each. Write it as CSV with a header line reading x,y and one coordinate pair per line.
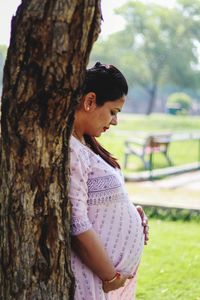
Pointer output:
x,y
113,113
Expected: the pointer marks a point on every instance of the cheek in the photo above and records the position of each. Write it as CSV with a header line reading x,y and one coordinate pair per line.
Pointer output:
x,y
107,119
103,118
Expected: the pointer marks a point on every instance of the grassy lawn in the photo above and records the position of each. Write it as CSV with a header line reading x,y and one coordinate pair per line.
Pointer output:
x,y
170,267
131,125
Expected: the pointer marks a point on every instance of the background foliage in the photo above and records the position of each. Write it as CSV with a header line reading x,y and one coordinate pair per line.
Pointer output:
x,y
3,51
182,101
157,48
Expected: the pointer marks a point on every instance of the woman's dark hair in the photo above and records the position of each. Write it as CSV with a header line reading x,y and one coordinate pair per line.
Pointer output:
x,y
109,84
106,81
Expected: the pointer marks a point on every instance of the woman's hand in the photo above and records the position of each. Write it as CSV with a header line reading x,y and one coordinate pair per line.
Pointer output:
x,y
115,284
144,223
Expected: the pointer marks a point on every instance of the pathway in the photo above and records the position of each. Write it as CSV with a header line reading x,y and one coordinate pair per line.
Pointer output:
x,y
178,191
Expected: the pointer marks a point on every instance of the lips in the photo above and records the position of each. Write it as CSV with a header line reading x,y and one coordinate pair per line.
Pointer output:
x,y
105,128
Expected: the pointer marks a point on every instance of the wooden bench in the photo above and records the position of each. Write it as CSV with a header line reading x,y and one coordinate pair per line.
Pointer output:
x,y
144,148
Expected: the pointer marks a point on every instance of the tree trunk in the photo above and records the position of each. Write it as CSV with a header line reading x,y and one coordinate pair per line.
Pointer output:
x,y
152,93
45,67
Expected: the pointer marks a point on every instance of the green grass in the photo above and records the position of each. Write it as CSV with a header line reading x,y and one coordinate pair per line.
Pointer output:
x,y
131,125
170,267
158,122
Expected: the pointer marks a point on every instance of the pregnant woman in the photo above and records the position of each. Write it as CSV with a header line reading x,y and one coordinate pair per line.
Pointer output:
x,y
108,232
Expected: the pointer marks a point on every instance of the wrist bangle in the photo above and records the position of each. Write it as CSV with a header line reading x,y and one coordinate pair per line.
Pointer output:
x,y
117,276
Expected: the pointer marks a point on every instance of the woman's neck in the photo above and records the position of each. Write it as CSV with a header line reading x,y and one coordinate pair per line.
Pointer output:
x,y
79,136
79,127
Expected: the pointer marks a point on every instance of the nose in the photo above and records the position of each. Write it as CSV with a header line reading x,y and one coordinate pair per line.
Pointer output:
x,y
114,121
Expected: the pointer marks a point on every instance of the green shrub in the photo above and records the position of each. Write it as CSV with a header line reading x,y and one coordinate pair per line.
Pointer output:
x,y
179,103
172,214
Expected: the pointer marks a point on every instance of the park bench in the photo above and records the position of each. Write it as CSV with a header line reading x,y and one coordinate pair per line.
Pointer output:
x,y
144,148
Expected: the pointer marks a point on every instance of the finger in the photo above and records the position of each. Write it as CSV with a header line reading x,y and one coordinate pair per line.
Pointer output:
x,y
144,222
129,276
146,229
142,215
146,234
146,238
145,219
140,210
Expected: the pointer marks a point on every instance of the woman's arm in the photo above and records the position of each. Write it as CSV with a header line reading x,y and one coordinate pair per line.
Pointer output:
x,y
89,248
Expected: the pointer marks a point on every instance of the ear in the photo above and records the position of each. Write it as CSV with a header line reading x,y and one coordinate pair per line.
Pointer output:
x,y
89,101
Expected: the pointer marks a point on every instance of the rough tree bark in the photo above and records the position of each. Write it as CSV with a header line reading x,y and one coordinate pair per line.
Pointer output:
x,y
45,67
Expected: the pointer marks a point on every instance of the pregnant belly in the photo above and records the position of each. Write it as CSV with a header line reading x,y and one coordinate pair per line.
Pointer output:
x,y
132,242
121,232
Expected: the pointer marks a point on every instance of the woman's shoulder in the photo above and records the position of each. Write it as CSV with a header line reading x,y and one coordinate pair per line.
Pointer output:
x,y
78,149
74,142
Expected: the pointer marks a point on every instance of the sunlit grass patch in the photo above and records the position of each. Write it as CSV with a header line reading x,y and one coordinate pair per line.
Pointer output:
x,y
170,268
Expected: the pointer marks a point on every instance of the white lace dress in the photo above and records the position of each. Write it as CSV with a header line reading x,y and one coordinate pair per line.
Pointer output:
x,y
99,201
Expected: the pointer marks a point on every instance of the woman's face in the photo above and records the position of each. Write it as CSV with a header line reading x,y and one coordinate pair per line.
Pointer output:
x,y
102,117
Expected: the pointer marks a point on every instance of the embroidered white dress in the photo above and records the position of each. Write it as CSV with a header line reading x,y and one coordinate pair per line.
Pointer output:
x,y
99,201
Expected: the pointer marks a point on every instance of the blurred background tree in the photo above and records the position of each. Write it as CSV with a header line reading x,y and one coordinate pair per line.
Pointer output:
x,y
158,47
3,50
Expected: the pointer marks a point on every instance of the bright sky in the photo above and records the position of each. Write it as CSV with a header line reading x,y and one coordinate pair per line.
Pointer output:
x,y
111,21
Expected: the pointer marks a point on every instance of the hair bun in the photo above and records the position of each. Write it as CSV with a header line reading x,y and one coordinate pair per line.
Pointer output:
x,y
98,64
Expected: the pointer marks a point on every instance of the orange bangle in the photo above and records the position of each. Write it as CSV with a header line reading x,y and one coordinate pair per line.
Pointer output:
x,y
117,276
